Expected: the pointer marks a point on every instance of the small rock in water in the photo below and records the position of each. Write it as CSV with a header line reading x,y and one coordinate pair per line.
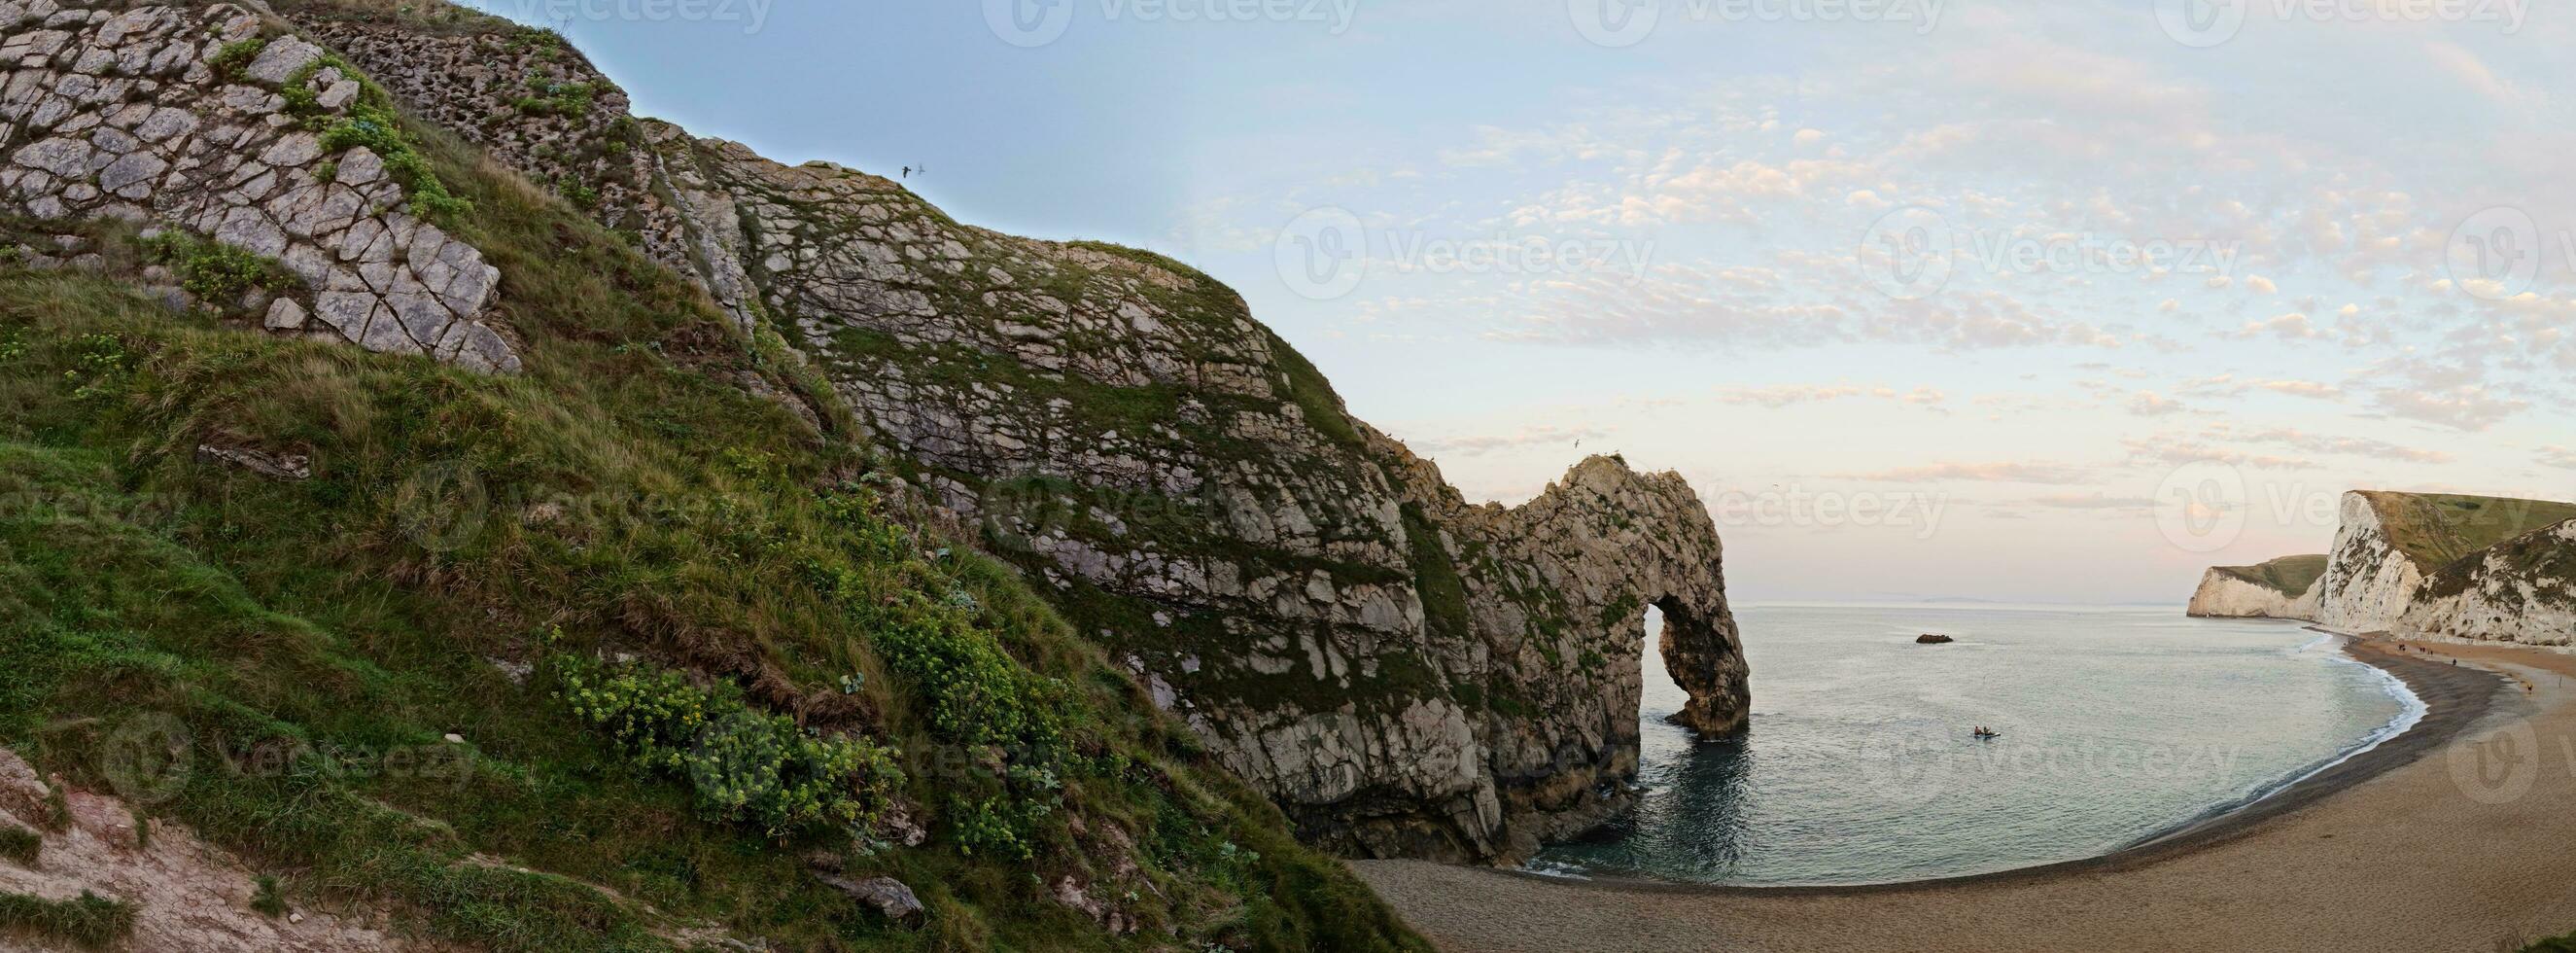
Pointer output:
x,y
1931,639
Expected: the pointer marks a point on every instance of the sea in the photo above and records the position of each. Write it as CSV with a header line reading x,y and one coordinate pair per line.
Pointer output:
x,y
2114,725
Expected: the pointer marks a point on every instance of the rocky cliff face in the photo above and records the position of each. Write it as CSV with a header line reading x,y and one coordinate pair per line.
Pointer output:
x,y
188,119
2523,590
2368,580
2285,588
1406,674
2425,566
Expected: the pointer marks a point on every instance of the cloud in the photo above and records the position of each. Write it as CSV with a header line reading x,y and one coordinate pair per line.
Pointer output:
x,y
2261,285
1995,472
2557,456
2346,446
2288,327
2173,450
1476,445
2467,407
1784,395
2308,389
2089,501
2148,403
2472,72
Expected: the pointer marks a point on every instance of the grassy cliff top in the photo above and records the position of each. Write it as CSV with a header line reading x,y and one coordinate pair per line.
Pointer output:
x,y
2288,575
2437,529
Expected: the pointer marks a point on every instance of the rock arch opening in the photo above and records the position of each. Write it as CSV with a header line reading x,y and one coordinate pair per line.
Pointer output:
x,y
1698,649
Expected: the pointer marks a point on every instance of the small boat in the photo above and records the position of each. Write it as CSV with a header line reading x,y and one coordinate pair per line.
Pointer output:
x,y
1988,735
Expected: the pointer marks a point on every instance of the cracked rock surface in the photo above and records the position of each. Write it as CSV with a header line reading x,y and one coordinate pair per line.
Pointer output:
x,y
124,112
1406,674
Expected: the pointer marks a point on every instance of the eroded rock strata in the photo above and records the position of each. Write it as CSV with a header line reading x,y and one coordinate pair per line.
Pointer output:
x,y
1406,674
196,118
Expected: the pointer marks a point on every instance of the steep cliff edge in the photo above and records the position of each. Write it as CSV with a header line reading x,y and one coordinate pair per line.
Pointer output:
x,y
1406,675
2284,588
2387,544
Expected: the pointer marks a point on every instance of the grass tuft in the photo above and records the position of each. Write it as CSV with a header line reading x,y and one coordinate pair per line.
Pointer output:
x,y
90,922
21,845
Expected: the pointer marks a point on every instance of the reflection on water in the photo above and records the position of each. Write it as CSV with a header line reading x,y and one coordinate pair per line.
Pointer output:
x,y
1695,818
1858,766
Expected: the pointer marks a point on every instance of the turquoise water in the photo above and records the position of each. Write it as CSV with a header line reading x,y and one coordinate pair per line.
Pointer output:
x,y
2117,725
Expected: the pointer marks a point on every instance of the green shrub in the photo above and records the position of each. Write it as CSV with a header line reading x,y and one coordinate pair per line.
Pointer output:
x,y
230,60
213,271
556,97
971,689
21,845
91,921
747,766
269,901
100,366
371,123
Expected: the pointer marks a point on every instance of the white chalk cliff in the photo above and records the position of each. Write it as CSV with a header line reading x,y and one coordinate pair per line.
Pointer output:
x,y
2425,566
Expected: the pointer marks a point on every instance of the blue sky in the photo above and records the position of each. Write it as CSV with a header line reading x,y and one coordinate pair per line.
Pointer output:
x,y
2073,299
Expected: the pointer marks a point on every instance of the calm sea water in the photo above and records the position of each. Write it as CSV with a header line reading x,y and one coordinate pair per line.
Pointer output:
x,y
2117,725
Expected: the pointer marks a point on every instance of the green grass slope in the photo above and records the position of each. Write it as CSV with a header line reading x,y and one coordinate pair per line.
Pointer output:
x,y
2288,575
694,648
2437,529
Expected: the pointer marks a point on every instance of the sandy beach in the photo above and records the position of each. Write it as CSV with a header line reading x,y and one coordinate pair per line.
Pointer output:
x,y
2453,836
